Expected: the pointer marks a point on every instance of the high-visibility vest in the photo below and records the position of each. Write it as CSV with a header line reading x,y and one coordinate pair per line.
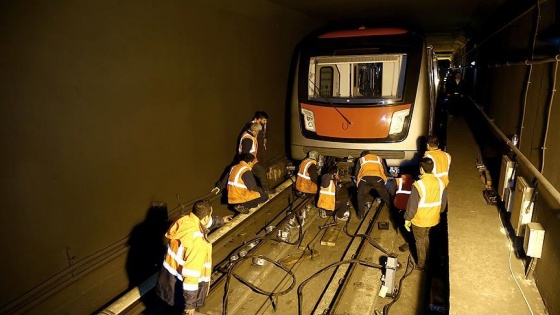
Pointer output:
x,y
430,190
237,191
442,162
303,181
189,254
327,197
254,147
404,188
370,165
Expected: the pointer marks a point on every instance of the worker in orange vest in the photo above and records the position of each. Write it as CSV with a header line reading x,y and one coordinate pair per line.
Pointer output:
x,y
243,191
307,176
187,265
333,196
400,190
370,173
441,159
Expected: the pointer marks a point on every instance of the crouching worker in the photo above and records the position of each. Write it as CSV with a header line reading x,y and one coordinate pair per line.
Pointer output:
x,y
242,188
400,190
424,208
307,176
333,197
184,279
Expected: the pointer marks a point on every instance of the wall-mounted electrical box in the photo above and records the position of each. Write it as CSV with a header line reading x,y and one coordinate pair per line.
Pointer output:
x,y
506,175
522,210
534,239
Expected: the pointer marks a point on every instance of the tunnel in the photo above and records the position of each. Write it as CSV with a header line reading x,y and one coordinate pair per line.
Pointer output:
x,y
119,116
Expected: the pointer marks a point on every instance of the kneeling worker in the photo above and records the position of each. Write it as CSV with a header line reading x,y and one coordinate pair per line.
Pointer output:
x,y
242,187
184,278
333,197
424,208
307,176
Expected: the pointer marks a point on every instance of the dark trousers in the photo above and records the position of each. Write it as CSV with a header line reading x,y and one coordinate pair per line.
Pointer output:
x,y
340,207
255,202
260,173
422,240
364,187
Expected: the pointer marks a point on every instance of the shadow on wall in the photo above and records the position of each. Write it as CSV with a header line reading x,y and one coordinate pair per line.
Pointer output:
x,y
146,245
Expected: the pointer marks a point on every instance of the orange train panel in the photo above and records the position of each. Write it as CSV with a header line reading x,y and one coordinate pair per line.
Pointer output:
x,y
367,122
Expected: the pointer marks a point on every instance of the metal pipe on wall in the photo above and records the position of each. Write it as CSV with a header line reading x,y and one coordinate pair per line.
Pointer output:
x,y
547,127
544,183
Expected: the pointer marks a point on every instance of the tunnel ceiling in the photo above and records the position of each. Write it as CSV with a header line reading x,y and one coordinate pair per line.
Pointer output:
x,y
445,23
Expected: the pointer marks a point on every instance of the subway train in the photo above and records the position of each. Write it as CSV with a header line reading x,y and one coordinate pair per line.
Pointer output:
x,y
363,89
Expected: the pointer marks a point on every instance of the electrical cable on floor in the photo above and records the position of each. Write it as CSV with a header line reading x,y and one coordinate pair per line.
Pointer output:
x,y
253,287
511,249
349,261
367,237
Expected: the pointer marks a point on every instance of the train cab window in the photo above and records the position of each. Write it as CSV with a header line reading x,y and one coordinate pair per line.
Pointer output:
x,y
357,79
326,81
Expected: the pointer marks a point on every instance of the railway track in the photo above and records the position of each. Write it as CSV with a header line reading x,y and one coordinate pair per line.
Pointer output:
x,y
285,259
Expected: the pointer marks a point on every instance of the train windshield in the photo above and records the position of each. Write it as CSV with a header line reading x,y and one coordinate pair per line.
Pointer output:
x,y
358,79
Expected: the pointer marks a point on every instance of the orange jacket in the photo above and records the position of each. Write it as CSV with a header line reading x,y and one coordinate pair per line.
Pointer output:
x,y
370,165
237,190
303,181
327,197
188,260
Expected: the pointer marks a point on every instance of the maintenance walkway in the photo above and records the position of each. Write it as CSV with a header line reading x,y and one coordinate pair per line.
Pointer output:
x,y
486,276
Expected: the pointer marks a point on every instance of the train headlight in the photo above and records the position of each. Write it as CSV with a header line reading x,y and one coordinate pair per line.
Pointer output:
x,y
308,119
397,121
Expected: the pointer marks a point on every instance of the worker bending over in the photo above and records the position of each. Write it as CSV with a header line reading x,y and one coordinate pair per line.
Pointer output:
x,y
370,173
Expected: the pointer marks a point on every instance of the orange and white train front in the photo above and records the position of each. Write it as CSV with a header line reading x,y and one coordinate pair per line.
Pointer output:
x,y
363,89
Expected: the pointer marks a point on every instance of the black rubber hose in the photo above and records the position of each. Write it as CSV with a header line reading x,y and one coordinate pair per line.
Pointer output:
x,y
253,287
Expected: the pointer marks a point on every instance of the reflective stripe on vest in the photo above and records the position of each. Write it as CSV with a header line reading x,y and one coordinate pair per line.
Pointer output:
x,y
236,182
237,190
423,203
439,169
401,190
303,181
255,145
327,197
304,173
370,165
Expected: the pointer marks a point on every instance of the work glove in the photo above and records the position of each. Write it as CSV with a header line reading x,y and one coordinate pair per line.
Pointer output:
x,y
215,190
407,225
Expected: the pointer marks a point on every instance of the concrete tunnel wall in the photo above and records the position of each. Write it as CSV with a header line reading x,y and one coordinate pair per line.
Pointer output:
x,y
501,91
108,106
